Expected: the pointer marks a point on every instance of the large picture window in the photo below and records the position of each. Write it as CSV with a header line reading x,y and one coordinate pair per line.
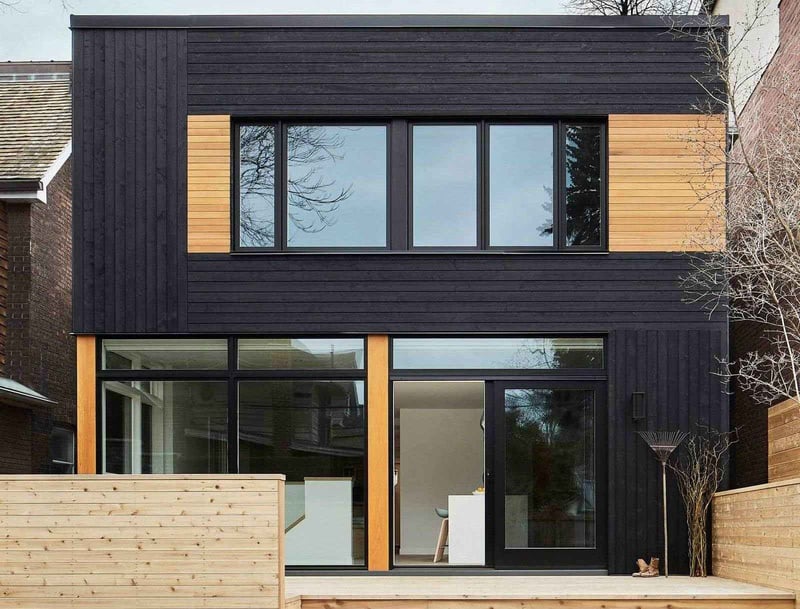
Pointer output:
x,y
288,405
482,184
311,186
445,186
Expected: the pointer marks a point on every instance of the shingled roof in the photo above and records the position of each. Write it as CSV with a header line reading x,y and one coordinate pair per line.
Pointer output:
x,y
35,126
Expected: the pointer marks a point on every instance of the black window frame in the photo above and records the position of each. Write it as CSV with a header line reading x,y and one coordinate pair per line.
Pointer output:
x,y
562,186
479,224
400,185
232,375
281,192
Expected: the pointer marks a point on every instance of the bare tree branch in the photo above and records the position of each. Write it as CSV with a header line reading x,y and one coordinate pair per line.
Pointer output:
x,y
631,7
755,273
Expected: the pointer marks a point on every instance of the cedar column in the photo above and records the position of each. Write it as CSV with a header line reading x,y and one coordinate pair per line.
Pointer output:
x,y
87,405
378,541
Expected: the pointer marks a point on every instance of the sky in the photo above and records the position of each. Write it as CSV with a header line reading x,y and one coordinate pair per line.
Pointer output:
x,y
39,29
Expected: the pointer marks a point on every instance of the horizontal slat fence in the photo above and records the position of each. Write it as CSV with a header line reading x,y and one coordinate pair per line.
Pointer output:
x,y
784,442
756,534
155,541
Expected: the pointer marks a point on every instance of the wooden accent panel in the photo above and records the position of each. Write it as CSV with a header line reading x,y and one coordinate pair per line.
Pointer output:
x,y
756,534
167,541
666,179
87,404
784,442
209,183
378,452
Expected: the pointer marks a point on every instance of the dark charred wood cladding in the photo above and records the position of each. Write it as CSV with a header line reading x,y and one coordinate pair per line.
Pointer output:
x,y
137,79
442,72
129,221
391,293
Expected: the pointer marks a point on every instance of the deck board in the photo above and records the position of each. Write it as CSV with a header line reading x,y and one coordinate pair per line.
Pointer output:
x,y
529,592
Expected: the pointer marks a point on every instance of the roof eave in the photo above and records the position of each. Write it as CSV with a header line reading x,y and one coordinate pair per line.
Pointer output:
x,y
392,21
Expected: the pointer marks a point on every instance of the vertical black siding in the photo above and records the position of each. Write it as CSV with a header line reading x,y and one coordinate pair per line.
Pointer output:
x,y
676,369
130,195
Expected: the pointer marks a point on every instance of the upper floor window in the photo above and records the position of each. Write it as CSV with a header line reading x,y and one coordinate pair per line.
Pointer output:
x,y
333,193
473,185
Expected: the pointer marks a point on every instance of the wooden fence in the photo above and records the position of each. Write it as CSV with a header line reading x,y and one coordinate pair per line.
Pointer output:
x,y
784,441
155,541
756,534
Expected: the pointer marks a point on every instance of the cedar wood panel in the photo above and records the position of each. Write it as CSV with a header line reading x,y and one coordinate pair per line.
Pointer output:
x,y
167,541
135,87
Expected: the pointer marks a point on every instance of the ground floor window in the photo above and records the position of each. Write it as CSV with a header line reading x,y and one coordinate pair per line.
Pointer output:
x,y
294,406
165,427
493,448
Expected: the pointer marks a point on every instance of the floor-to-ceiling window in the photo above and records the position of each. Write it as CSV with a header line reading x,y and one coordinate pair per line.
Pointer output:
x,y
294,406
542,434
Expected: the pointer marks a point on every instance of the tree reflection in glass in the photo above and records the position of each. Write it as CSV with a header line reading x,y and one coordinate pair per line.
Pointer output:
x,y
335,186
550,477
583,184
256,186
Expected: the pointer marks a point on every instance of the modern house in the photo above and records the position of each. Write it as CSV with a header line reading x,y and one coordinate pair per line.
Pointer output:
x,y
427,267
37,353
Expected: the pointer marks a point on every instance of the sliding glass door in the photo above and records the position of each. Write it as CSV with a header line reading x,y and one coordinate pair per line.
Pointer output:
x,y
548,485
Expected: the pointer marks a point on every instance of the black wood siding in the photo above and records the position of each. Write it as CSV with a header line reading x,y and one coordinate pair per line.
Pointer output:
x,y
435,293
676,368
134,88
442,72
129,220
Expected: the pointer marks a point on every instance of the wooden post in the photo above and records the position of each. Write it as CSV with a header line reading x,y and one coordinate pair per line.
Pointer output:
x,y
378,540
87,405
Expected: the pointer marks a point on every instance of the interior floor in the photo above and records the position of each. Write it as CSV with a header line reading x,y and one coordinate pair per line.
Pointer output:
x,y
418,560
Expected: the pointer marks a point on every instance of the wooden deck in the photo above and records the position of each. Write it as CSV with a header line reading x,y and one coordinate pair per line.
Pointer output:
x,y
528,592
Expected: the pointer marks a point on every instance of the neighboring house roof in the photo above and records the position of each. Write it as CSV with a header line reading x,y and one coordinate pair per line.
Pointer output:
x,y
18,394
35,128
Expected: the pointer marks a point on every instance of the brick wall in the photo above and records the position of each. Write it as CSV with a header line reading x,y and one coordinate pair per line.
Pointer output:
x,y
15,440
40,352
3,282
750,454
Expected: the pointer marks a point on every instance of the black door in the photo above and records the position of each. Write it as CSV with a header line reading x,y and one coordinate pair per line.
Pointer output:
x,y
548,483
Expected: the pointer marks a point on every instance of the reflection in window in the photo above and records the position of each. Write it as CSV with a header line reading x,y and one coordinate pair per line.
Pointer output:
x,y
445,185
521,185
62,450
549,468
336,186
165,427
301,353
497,353
583,185
256,186
313,432
165,354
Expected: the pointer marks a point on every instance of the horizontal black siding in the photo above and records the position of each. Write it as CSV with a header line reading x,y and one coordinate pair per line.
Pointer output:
x,y
435,293
130,181
442,72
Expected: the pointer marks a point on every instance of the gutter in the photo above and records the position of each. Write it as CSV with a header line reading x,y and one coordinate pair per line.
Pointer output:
x,y
17,190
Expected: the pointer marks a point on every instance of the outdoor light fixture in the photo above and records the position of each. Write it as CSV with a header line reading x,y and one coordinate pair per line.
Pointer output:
x,y
638,406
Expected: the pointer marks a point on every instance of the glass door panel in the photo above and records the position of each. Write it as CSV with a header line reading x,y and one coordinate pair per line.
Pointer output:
x,y
548,513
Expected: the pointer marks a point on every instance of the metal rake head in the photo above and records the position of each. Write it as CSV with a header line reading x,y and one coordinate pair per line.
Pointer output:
x,y
663,442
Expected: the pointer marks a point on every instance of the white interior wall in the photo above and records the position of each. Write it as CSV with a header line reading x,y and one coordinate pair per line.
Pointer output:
x,y
441,453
